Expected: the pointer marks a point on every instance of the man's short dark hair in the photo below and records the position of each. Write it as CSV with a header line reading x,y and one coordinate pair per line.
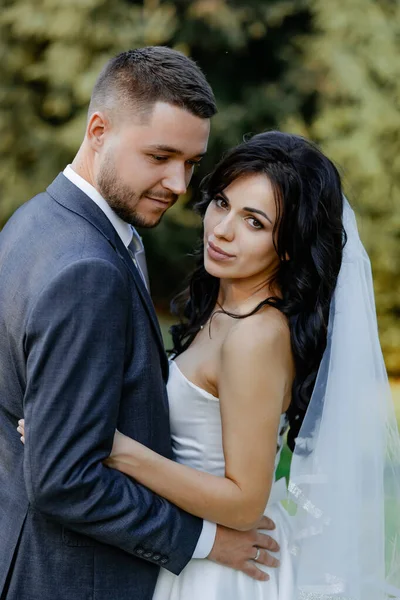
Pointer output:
x,y
140,78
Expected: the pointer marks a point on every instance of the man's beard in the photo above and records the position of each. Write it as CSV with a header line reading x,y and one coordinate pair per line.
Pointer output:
x,y
121,198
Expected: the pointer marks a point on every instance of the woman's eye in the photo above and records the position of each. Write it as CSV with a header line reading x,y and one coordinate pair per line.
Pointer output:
x,y
220,202
255,223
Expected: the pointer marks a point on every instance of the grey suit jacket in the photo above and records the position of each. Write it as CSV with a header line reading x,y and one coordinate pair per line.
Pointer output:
x,y
80,355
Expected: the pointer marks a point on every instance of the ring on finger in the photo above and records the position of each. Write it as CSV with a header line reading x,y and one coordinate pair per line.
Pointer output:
x,y
257,556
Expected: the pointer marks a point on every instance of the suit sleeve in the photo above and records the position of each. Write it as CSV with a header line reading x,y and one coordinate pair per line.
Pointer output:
x,y
75,351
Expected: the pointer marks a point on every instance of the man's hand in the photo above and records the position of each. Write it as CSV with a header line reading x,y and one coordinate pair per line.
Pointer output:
x,y
238,549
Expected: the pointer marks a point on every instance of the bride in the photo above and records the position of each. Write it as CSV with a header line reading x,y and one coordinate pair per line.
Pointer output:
x,y
278,334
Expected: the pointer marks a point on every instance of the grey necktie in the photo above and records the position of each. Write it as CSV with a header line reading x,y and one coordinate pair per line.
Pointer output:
x,y
139,258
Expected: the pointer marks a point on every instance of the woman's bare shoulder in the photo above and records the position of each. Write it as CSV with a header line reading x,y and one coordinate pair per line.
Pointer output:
x,y
265,331
256,356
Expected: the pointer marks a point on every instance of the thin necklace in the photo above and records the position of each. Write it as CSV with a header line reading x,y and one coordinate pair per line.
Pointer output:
x,y
222,309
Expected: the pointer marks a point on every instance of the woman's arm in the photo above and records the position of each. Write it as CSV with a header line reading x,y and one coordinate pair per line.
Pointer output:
x,y
254,379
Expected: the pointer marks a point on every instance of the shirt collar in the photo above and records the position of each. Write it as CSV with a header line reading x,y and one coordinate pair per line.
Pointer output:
x,y
126,232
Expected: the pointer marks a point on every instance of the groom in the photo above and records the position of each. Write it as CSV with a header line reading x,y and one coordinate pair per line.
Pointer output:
x,y
81,352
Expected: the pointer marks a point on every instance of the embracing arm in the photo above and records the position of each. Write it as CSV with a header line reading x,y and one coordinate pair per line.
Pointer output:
x,y
253,383
76,348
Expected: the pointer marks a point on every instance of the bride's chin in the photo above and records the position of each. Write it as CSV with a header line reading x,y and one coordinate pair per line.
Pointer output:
x,y
214,271
211,270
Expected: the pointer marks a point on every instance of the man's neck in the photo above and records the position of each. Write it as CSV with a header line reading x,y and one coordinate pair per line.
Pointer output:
x,y
83,166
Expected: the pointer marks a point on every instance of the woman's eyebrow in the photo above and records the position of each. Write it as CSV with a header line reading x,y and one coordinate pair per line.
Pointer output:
x,y
247,208
258,212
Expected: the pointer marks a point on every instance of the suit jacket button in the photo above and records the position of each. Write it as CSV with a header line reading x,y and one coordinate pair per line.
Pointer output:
x,y
148,554
164,560
139,551
157,557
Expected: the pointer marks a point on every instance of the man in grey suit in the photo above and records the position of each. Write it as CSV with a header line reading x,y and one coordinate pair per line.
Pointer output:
x,y
81,352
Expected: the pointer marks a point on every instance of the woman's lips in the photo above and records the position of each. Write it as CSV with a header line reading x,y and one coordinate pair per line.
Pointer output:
x,y
216,253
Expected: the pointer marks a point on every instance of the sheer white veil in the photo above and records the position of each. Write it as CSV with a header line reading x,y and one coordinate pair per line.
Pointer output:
x,y
345,473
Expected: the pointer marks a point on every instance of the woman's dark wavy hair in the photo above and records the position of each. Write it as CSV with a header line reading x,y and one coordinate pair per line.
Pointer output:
x,y
308,238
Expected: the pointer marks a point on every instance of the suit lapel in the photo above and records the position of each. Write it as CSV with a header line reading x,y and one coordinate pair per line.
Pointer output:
x,y
141,288
71,197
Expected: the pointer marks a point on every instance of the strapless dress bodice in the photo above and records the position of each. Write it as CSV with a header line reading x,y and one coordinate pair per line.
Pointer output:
x,y
196,428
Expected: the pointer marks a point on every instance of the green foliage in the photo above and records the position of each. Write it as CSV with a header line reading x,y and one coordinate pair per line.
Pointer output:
x,y
327,70
352,64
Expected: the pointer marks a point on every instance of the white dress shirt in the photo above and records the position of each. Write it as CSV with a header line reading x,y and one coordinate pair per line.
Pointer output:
x,y
127,233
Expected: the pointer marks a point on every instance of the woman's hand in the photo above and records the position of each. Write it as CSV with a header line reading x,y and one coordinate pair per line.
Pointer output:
x,y
21,429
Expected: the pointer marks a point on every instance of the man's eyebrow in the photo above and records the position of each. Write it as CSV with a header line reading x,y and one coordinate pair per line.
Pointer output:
x,y
257,212
171,150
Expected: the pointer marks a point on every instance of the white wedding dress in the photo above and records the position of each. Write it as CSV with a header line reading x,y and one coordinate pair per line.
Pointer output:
x,y
197,442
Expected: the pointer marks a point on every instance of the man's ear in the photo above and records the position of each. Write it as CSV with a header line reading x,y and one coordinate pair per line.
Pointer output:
x,y
97,127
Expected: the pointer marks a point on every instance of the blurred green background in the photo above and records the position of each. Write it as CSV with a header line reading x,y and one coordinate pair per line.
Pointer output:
x,y
327,70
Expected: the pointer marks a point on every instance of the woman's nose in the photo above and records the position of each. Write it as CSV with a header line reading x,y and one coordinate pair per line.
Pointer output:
x,y
224,229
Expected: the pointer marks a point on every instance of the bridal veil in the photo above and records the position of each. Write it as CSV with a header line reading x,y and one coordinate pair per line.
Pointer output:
x,y
345,473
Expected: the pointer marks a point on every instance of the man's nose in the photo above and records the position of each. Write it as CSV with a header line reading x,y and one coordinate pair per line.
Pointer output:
x,y
176,180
